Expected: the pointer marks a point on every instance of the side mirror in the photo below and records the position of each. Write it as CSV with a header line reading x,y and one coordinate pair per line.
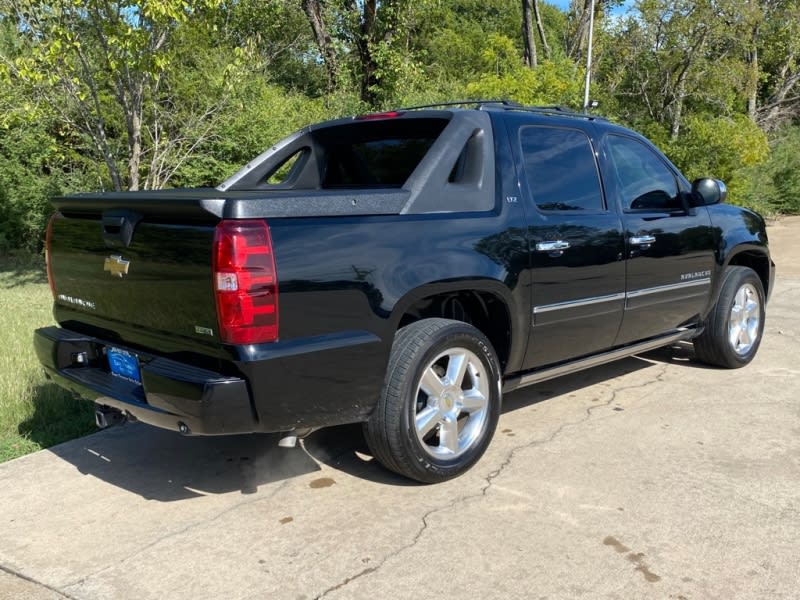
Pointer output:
x,y
709,191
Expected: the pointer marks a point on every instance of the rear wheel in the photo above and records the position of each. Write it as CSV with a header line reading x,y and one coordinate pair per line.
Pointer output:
x,y
735,325
440,403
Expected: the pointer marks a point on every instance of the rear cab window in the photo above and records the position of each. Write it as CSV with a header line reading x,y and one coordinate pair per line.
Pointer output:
x,y
560,169
368,154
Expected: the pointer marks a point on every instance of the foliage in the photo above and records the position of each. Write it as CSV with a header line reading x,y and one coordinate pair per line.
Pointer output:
x,y
721,147
775,186
258,114
152,93
552,82
34,413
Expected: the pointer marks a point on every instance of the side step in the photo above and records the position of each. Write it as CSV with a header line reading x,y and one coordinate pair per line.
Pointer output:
x,y
525,379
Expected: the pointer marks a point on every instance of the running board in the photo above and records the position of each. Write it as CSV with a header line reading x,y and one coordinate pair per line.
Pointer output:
x,y
518,381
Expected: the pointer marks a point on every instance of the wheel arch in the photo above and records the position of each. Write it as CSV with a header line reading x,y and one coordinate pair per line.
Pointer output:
x,y
755,257
486,304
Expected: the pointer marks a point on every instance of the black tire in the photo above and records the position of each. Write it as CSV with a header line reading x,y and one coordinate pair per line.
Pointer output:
x,y
435,348
716,345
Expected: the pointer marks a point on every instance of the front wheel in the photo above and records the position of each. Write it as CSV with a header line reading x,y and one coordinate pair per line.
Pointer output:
x,y
440,403
735,325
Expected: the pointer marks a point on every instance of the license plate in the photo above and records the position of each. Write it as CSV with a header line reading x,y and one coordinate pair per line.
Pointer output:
x,y
124,364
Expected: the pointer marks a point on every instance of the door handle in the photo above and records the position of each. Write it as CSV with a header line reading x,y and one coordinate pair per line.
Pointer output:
x,y
555,246
642,240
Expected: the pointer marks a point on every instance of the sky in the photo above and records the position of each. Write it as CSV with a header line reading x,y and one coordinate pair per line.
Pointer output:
x,y
564,5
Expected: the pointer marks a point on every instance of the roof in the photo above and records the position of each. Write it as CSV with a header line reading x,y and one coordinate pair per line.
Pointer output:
x,y
509,105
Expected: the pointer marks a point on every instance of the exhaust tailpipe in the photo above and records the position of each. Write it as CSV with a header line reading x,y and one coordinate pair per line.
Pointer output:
x,y
288,439
105,416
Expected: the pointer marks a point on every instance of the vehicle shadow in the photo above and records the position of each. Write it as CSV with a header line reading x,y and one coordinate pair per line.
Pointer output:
x,y
57,416
162,465
343,448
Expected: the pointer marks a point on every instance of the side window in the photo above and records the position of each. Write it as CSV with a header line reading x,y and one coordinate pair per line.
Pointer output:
x,y
283,172
560,168
645,181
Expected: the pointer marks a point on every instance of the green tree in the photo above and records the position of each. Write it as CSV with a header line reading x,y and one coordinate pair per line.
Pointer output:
x,y
774,187
96,62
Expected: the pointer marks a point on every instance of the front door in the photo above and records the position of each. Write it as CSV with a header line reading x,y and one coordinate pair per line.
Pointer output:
x,y
669,245
577,268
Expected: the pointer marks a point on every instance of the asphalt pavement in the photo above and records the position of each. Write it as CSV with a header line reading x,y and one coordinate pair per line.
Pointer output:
x,y
653,477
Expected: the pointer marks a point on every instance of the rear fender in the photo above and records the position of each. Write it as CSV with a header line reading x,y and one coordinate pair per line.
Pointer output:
x,y
497,289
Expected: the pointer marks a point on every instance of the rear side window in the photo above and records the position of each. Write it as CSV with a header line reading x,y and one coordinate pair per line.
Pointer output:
x,y
560,169
375,154
645,181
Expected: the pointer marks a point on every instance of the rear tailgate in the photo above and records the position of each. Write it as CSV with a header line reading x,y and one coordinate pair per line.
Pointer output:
x,y
135,269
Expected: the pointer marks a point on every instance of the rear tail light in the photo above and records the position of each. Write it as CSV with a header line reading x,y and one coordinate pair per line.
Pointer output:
x,y
48,255
245,282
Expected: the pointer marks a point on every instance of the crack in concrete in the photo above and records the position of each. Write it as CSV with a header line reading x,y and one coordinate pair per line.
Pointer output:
x,y
659,378
15,573
345,582
489,479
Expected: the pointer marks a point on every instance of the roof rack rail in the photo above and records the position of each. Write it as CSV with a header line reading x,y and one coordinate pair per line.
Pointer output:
x,y
559,110
505,104
475,103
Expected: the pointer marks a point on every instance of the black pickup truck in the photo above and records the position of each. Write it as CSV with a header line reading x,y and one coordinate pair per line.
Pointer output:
x,y
400,269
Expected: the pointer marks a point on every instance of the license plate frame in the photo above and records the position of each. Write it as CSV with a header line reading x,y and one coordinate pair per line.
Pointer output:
x,y
123,364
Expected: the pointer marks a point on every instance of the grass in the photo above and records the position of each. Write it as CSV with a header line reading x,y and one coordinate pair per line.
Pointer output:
x,y
34,413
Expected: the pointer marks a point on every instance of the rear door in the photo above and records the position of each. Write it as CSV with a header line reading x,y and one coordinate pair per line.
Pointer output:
x,y
669,247
577,271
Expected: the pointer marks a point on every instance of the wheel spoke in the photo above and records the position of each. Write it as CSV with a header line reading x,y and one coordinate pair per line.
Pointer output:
x,y
736,313
426,420
751,309
741,297
745,339
431,384
448,435
473,401
734,335
456,368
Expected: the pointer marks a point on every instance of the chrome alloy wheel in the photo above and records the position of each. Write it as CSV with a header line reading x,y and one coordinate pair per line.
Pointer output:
x,y
745,319
452,401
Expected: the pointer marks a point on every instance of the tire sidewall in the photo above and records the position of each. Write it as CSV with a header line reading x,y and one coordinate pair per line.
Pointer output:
x,y
463,336
737,278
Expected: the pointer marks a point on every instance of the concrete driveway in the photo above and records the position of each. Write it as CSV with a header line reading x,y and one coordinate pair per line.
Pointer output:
x,y
654,477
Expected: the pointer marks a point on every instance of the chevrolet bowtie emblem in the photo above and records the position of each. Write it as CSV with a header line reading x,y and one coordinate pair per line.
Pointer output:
x,y
116,266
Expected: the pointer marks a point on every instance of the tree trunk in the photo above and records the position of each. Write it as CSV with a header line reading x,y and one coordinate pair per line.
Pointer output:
x,y
752,80
365,38
313,11
581,38
677,111
101,141
134,149
368,66
527,35
540,28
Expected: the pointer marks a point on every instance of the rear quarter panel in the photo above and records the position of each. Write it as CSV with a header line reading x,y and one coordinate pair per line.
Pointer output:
x,y
345,283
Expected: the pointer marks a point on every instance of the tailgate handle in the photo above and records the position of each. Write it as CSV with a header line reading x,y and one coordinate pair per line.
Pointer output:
x,y
118,227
